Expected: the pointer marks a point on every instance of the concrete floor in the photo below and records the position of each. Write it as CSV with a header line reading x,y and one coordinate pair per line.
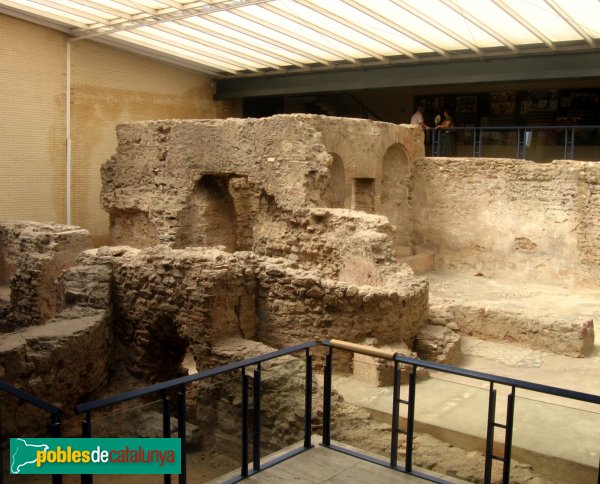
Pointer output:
x,y
320,464
560,435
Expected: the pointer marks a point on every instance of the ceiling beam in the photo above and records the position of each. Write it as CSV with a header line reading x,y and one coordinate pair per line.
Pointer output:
x,y
525,23
478,23
567,18
304,23
499,69
357,28
437,25
409,33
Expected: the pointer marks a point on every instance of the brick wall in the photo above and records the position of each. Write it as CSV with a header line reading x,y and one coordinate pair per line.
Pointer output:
x,y
108,86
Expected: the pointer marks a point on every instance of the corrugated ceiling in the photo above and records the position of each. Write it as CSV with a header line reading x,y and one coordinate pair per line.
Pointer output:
x,y
235,38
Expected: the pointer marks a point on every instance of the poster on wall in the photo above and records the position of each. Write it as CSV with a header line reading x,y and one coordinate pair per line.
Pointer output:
x,y
503,103
540,101
466,104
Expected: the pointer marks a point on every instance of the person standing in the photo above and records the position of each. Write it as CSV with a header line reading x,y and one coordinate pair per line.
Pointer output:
x,y
447,141
417,117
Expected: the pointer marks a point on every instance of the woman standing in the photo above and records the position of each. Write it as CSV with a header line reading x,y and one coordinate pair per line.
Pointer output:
x,y
447,141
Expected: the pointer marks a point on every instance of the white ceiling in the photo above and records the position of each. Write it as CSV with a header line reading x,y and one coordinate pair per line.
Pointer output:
x,y
235,38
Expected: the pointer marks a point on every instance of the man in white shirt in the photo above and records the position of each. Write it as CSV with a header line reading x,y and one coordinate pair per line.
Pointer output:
x,y
417,118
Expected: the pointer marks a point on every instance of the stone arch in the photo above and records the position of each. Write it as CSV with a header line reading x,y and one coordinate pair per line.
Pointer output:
x,y
396,203
337,182
209,217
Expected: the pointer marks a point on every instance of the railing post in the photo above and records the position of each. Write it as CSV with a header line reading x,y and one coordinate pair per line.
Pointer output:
x,y
489,443
395,416
410,424
510,413
327,399
55,433
308,402
1,452
256,424
166,408
244,423
86,432
181,431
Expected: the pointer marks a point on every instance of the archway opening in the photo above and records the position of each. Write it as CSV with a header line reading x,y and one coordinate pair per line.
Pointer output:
x,y
363,195
209,217
6,273
337,183
396,203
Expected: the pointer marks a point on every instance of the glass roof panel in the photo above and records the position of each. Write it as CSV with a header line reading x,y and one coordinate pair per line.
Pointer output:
x,y
204,37
499,21
184,54
56,11
544,18
183,43
308,32
340,30
115,5
241,37
585,14
454,22
297,29
413,23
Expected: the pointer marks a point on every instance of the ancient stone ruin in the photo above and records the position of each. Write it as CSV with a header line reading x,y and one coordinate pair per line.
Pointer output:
x,y
232,237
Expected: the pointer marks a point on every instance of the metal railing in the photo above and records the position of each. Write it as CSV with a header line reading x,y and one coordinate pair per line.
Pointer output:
x,y
54,424
523,138
398,360
180,383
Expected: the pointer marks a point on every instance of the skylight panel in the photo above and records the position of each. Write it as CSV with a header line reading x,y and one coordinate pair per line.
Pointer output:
x,y
297,29
544,18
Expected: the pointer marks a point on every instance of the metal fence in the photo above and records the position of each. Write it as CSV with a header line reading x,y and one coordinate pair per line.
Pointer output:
x,y
250,379
53,423
538,143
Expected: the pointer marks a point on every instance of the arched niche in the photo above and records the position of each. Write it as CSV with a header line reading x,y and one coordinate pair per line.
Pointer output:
x,y
337,183
209,217
6,273
395,193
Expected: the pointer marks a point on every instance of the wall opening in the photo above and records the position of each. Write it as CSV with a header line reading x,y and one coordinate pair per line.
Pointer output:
x,y
209,217
337,183
245,203
6,273
396,196
363,195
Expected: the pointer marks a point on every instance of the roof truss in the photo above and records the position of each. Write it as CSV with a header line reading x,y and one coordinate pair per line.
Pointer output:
x,y
262,37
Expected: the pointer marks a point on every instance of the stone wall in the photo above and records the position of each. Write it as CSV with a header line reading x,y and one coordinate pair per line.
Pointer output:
x,y
165,184
32,256
511,218
66,359
168,301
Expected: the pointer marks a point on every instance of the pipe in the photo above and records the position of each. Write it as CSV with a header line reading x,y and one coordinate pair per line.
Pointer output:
x,y
68,132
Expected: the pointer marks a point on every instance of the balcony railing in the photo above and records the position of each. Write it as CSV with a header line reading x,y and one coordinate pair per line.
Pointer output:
x,y
253,376
252,380
537,143
53,412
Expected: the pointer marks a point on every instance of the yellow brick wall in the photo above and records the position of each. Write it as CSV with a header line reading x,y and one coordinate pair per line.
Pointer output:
x,y
32,122
108,86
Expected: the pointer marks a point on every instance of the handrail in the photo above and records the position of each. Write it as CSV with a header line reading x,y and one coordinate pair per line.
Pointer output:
x,y
254,381
523,127
29,398
183,380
